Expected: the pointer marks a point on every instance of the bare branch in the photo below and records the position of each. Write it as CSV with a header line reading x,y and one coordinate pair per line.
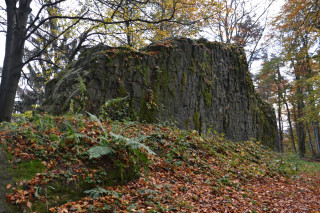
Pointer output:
x,y
37,17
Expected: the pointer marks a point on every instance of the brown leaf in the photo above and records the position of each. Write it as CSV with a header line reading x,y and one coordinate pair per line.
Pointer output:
x,y
29,204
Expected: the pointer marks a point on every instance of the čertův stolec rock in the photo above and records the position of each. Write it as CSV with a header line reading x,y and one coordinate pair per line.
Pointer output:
x,y
199,84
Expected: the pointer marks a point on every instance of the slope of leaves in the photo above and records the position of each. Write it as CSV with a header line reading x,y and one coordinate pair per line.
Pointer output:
x,y
189,173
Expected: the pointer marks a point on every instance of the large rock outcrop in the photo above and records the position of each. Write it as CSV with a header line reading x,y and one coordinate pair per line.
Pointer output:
x,y
199,84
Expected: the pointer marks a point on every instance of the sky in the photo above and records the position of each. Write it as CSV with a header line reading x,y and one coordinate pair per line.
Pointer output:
x,y
275,8
2,47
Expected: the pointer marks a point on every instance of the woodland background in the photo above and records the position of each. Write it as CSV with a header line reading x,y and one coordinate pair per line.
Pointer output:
x,y
43,36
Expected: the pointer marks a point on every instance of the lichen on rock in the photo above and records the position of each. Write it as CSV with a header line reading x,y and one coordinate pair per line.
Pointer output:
x,y
196,82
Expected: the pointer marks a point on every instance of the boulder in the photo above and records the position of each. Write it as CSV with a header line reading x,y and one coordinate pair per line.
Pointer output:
x,y
198,84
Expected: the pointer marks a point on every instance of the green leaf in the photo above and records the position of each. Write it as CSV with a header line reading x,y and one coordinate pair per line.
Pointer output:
x,y
78,135
98,151
136,145
96,119
119,137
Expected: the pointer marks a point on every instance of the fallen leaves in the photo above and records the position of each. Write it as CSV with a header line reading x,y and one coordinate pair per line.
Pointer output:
x,y
189,173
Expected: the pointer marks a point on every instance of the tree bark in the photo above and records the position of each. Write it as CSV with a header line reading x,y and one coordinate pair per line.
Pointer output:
x,y
309,141
280,100
300,130
301,133
315,126
12,65
290,126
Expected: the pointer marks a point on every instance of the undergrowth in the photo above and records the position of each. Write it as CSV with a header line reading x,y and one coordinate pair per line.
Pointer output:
x,y
88,160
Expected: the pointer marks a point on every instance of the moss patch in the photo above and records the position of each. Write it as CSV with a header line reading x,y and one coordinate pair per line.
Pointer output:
x,y
207,94
26,170
147,110
193,66
196,121
122,90
187,122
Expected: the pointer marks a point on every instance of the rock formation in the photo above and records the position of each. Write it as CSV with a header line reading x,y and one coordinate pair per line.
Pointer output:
x,y
199,84
5,179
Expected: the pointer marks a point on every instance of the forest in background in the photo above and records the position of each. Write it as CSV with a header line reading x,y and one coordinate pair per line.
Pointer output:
x,y
43,36
82,163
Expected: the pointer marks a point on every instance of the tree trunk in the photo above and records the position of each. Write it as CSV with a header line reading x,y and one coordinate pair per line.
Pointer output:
x,y
280,126
12,65
309,141
300,130
290,126
280,99
301,135
299,96
315,126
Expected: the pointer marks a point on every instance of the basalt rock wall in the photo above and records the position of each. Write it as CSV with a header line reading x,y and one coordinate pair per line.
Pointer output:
x,y
199,84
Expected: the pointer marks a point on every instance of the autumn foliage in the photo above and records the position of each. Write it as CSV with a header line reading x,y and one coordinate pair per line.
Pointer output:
x,y
187,173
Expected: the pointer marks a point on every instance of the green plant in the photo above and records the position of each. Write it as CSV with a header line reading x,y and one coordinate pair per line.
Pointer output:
x,y
96,192
118,109
83,93
43,122
108,145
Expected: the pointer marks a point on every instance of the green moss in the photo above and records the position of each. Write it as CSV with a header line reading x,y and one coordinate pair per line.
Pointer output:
x,y
172,91
184,78
26,170
133,115
139,68
118,176
145,76
59,191
187,122
122,90
3,147
193,66
56,193
196,121
118,109
147,111
205,64
204,68
164,76
207,94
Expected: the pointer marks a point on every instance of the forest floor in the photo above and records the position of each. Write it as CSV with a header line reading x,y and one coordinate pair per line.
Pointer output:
x,y
79,164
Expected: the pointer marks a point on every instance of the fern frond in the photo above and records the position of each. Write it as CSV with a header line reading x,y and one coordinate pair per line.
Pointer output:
x,y
96,119
98,151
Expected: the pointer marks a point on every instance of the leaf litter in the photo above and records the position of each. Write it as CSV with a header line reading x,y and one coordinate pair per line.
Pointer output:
x,y
189,173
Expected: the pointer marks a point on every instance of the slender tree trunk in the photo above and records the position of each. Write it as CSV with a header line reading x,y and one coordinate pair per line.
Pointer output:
x,y
12,65
279,124
315,126
300,130
290,126
280,99
128,34
315,122
280,127
301,135
309,141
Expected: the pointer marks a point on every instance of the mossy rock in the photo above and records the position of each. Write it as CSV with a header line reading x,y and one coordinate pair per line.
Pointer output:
x,y
5,178
178,78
